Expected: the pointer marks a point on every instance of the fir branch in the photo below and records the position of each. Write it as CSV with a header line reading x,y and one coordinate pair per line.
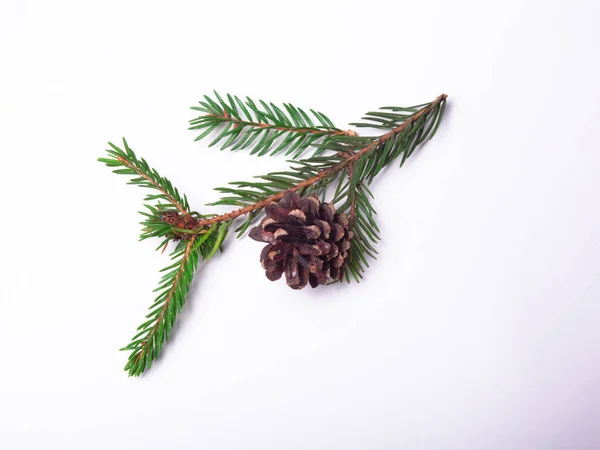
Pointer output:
x,y
385,120
145,176
168,219
366,233
245,193
264,129
367,161
173,287
362,158
146,345
351,160
158,206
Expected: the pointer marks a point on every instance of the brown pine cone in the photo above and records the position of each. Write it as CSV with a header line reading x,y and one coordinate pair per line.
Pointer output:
x,y
307,240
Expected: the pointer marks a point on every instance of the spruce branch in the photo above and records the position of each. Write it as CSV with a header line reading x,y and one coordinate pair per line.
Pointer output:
x,y
347,225
170,219
362,161
366,232
389,144
264,128
146,177
147,343
173,287
385,120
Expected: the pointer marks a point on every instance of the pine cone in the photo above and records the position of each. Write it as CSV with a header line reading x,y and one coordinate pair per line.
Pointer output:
x,y
307,240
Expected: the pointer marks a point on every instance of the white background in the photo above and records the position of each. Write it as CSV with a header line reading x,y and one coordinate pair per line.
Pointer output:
x,y
478,326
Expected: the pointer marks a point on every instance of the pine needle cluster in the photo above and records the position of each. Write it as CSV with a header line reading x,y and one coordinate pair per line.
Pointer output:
x,y
341,160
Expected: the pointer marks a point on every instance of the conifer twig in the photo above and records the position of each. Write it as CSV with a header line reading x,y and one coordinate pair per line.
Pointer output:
x,y
145,351
325,173
354,161
154,183
248,124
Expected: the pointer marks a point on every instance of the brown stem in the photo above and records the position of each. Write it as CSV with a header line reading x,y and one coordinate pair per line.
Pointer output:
x,y
237,123
352,213
333,170
350,169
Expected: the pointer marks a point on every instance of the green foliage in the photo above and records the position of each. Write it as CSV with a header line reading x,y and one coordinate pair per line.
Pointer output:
x,y
126,163
174,284
401,144
163,197
264,128
173,287
351,197
245,193
341,159
366,233
388,117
